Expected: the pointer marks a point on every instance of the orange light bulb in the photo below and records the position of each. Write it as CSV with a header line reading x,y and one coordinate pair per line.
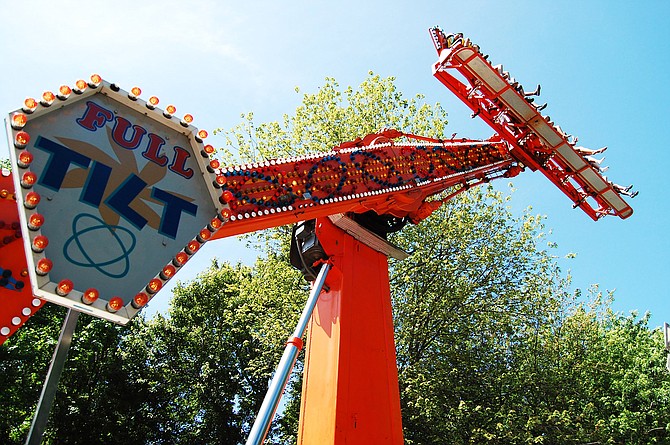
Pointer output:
x,y
227,196
90,296
25,159
19,121
80,85
35,221
64,287
114,304
168,272
96,79
29,105
154,285
21,139
192,247
44,266
32,199
202,134
64,92
40,243
28,179
204,235
180,259
215,223
48,98
140,300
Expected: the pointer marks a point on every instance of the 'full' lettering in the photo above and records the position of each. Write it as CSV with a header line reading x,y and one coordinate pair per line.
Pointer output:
x,y
131,137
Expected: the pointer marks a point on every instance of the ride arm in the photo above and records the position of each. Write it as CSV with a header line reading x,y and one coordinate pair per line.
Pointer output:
x,y
389,172
534,139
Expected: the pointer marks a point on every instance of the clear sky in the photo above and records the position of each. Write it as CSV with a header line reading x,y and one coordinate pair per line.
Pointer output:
x,y
603,67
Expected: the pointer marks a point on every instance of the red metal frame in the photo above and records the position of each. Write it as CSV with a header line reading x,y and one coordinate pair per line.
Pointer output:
x,y
534,140
388,172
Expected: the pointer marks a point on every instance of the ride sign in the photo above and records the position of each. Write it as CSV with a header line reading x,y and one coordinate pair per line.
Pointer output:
x,y
114,196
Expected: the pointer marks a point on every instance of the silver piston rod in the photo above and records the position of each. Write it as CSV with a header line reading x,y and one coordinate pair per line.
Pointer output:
x,y
293,346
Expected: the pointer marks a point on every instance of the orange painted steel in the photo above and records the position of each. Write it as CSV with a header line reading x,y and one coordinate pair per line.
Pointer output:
x,y
350,387
389,172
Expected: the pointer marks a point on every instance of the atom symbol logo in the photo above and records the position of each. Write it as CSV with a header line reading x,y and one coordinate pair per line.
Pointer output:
x,y
100,246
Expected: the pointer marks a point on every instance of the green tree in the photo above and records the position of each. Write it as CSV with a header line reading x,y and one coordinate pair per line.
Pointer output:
x,y
197,375
217,348
104,391
476,282
599,377
98,392
478,304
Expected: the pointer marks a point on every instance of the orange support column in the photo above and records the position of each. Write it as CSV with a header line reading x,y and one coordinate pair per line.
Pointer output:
x,y
350,389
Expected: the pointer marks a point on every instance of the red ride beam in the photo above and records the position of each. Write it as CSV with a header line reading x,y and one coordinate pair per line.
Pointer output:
x,y
389,177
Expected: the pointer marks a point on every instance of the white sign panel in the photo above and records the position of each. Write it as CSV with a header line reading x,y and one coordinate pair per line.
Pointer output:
x,y
121,188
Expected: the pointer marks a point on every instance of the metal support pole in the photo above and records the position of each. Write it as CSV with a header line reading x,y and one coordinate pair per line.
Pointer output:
x,y
269,407
51,382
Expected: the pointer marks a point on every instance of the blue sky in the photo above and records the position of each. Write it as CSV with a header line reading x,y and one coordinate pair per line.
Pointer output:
x,y
603,67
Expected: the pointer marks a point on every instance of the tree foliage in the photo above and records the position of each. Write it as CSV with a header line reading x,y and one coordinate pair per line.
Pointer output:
x,y
24,359
197,375
476,284
491,346
329,117
218,346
